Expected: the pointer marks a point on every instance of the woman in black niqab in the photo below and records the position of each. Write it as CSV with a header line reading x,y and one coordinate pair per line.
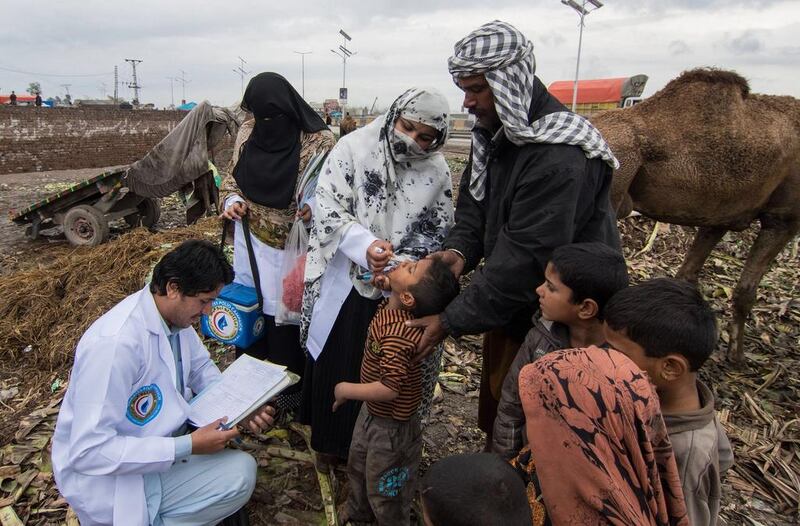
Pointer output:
x,y
270,152
268,162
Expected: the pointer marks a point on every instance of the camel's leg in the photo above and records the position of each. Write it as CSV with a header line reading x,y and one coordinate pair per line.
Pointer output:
x,y
704,242
770,241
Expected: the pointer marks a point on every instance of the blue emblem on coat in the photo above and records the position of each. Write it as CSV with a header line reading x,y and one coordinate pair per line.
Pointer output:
x,y
144,405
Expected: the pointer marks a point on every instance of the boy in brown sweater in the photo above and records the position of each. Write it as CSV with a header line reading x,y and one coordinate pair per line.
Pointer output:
x,y
667,328
579,279
387,439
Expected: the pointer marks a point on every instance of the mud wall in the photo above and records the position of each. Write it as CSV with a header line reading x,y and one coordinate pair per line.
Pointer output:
x,y
39,139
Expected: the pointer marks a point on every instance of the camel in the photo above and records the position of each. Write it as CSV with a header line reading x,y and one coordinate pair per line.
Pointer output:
x,y
706,152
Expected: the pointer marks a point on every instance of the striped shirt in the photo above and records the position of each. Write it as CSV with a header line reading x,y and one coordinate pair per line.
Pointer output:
x,y
388,353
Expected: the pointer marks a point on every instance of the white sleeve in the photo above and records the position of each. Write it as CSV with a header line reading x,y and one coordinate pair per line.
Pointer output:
x,y
100,385
355,241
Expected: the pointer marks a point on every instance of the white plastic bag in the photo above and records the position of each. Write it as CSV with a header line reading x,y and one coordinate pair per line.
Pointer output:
x,y
290,299
293,270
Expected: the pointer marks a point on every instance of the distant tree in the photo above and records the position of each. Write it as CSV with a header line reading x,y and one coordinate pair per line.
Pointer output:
x,y
34,88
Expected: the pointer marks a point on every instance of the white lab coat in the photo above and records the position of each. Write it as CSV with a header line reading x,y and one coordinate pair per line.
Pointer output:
x,y
107,437
336,285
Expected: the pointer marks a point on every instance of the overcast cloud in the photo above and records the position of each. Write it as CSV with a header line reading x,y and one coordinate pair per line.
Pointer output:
x,y
398,44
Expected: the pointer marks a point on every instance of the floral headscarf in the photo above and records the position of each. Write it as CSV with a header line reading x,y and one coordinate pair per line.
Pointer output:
x,y
382,180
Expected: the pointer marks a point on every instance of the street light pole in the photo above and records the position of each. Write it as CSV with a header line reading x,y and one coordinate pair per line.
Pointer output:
x,y
582,11
344,53
303,69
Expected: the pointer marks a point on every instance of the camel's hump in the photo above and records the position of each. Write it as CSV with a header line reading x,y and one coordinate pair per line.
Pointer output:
x,y
709,75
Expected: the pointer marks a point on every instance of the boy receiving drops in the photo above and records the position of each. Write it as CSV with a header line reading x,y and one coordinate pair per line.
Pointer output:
x,y
387,440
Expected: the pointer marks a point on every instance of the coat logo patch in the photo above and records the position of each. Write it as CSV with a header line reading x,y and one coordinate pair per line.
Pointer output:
x,y
144,404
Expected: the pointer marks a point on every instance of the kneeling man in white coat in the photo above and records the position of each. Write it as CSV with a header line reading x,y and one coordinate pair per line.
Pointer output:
x,y
121,452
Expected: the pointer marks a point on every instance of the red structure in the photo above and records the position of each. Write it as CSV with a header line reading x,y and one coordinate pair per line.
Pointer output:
x,y
599,94
21,99
589,91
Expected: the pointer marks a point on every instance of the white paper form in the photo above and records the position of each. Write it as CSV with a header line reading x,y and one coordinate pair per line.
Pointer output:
x,y
243,384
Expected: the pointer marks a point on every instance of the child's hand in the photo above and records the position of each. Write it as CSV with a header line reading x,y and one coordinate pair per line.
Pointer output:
x,y
338,395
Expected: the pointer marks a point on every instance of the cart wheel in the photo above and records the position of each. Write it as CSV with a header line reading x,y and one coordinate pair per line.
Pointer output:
x,y
148,214
85,225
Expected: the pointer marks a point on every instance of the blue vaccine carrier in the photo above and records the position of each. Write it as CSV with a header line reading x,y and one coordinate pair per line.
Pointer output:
x,y
235,318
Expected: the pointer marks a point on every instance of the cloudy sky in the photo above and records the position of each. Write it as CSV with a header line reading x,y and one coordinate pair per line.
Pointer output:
x,y
398,43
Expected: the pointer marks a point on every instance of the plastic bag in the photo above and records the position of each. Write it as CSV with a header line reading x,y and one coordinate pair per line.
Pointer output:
x,y
293,272
293,268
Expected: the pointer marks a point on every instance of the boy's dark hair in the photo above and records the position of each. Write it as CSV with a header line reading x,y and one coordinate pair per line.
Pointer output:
x,y
195,266
434,292
475,488
592,271
665,316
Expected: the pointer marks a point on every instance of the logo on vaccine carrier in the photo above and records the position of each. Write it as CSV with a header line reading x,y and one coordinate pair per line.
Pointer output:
x,y
223,322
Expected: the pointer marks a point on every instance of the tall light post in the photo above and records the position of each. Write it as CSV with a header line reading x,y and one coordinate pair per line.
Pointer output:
x,y
580,7
303,69
345,54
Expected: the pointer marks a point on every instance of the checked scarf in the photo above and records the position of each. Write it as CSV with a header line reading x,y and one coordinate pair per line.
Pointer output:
x,y
505,57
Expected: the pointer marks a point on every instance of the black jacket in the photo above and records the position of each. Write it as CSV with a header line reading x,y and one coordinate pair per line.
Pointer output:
x,y
538,197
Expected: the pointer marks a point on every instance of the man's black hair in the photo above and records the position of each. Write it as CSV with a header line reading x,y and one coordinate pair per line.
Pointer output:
x,y
592,271
195,266
665,316
434,292
475,488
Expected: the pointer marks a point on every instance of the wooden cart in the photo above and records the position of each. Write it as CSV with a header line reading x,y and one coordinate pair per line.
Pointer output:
x,y
85,209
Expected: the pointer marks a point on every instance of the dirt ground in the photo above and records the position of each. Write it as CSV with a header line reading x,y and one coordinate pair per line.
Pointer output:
x,y
18,191
757,401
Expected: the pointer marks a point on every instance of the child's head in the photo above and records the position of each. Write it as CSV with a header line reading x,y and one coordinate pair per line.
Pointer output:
x,y
579,280
664,325
474,488
424,287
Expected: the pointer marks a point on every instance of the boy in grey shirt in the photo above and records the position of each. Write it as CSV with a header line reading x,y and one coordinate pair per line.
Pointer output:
x,y
667,328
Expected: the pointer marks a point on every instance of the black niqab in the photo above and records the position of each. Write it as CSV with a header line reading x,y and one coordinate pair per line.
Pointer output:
x,y
269,161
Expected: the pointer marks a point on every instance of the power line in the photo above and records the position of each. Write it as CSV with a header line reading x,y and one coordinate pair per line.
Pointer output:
x,y
135,85
183,81
68,97
53,74
241,71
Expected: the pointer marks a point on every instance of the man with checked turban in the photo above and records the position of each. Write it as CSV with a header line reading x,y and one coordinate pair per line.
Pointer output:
x,y
539,177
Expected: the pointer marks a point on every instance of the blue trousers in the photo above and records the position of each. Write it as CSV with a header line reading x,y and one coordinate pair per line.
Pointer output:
x,y
201,489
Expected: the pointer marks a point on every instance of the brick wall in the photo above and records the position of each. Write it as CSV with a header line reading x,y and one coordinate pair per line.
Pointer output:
x,y
38,139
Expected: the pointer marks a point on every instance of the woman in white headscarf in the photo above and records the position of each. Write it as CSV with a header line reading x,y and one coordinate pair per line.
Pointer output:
x,y
385,190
